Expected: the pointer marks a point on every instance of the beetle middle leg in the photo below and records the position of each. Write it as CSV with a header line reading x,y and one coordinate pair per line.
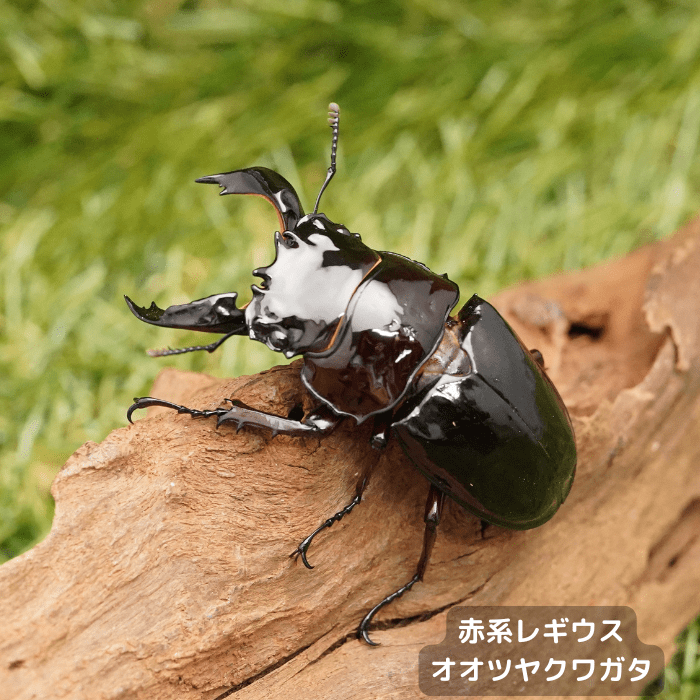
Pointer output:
x,y
433,513
380,435
304,545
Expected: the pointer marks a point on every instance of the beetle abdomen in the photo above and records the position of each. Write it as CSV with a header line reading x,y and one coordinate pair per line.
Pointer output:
x,y
493,434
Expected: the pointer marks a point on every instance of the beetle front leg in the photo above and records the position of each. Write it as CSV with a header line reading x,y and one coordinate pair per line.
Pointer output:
x,y
433,513
146,401
319,422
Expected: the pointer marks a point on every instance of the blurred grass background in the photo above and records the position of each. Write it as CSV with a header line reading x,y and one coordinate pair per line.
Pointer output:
x,y
493,140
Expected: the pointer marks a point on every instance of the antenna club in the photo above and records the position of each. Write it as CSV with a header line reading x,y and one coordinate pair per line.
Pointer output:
x,y
334,123
333,114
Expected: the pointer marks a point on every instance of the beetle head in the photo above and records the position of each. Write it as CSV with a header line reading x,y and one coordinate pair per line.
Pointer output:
x,y
306,290
317,267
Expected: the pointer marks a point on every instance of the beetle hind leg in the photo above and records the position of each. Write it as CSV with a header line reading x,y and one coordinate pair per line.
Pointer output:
x,y
433,513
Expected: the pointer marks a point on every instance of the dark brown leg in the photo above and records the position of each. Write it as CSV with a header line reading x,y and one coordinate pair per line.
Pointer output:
x,y
380,436
305,543
320,422
433,512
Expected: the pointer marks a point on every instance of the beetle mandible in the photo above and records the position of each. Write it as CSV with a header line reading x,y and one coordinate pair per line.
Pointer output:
x,y
472,407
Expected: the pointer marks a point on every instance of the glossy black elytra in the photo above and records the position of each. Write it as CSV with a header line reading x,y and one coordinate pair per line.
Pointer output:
x,y
473,409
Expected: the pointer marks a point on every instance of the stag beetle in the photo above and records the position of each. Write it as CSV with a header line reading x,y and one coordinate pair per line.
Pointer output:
x,y
471,406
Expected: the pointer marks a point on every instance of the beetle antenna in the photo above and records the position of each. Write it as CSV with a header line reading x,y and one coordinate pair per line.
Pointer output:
x,y
334,121
181,351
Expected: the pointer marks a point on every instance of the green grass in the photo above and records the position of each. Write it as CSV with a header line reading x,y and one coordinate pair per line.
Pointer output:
x,y
682,677
495,141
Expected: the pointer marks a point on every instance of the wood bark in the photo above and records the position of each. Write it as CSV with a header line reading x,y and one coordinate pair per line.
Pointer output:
x,y
167,573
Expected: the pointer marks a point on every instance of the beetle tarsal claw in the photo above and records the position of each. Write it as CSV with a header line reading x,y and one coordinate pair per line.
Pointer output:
x,y
301,550
304,545
362,629
144,402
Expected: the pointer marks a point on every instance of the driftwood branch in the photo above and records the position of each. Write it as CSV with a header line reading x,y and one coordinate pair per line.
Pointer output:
x,y
167,572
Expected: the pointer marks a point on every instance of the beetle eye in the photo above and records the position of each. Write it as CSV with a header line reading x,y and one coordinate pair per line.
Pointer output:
x,y
289,240
278,339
